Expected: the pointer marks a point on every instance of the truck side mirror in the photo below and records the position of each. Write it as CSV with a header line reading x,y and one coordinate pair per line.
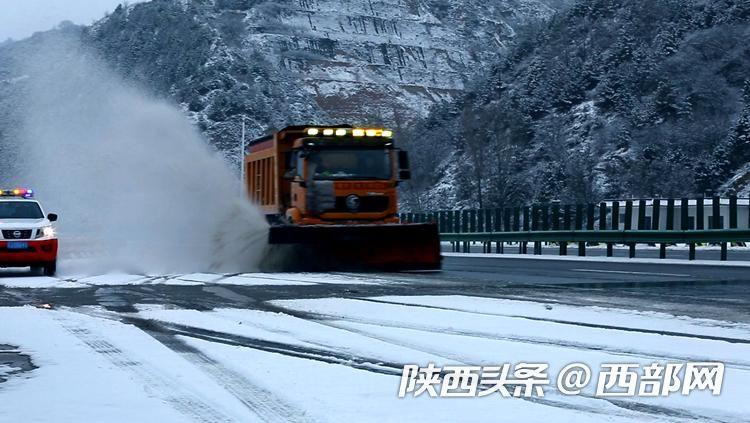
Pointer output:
x,y
404,174
403,160
52,217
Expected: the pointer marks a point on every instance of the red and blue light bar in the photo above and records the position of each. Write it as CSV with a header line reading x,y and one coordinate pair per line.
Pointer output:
x,y
17,192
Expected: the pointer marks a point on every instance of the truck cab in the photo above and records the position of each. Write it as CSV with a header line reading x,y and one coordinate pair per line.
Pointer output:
x,y
327,175
330,194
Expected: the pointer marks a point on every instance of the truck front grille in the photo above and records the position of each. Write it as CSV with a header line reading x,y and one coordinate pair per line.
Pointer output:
x,y
17,233
373,204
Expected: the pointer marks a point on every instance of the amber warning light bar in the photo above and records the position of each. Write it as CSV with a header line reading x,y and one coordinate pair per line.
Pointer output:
x,y
355,132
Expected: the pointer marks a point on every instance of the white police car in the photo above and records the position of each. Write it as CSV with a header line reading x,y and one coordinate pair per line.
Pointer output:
x,y
27,237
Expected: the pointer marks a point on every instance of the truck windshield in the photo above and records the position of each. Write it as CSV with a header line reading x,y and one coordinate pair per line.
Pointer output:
x,y
349,164
20,210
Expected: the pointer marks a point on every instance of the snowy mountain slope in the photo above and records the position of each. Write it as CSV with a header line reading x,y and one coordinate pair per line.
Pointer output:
x,y
384,62
609,99
275,63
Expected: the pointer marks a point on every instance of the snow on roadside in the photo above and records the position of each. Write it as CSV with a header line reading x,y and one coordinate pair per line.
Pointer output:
x,y
471,325
91,369
260,280
16,279
284,328
200,278
483,339
591,315
114,279
336,393
310,278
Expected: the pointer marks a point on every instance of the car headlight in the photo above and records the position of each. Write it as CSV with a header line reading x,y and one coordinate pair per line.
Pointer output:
x,y
45,232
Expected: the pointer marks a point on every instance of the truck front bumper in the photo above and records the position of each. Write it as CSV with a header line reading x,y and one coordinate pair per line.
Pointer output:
x,y
414,246
37,253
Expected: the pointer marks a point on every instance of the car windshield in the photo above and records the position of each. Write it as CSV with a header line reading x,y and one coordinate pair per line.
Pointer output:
x,y
20,210
349,164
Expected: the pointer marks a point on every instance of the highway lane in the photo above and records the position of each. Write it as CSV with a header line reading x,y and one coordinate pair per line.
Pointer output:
x,y
689,289
709,291
145,324
183,319
529,270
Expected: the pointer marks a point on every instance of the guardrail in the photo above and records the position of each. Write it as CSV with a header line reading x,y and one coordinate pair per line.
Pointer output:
x,y
712,220
461,241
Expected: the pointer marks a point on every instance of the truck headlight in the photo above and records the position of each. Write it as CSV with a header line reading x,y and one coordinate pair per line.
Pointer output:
x,y
45,232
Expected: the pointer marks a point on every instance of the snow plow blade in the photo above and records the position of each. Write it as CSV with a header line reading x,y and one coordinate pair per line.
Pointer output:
x,y
358,247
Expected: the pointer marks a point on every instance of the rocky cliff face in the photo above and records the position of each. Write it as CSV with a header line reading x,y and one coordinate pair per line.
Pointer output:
x,y
387,60
280,62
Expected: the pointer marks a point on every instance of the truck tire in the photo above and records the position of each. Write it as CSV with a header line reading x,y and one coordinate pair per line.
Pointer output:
x,y
50,268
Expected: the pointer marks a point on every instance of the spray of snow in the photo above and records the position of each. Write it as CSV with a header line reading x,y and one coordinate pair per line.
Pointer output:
x,y
133,182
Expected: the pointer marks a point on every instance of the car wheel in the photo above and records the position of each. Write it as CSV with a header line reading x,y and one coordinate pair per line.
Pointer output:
x,y
50,268
37,270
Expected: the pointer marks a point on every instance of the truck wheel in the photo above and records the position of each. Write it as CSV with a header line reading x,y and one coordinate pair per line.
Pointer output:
x,y
50,268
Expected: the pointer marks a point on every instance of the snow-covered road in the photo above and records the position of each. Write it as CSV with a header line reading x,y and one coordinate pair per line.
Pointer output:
x,y
327,347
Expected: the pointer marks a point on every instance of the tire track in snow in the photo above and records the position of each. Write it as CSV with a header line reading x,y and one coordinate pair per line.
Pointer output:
x,y
323,355
328,356
666,415
171,392
633,410
572,323
297,352
742,365
630,411
680,415
268,406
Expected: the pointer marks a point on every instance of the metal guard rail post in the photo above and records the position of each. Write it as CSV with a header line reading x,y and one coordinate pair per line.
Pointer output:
x,y
608,236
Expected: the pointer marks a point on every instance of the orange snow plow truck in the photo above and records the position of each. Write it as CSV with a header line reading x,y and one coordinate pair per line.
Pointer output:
x,y
330,195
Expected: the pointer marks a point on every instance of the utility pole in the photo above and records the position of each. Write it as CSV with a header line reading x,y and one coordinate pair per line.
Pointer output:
x,y
242,158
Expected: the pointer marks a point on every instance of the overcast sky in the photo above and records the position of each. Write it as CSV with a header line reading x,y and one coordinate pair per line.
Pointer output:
x,y
21,18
